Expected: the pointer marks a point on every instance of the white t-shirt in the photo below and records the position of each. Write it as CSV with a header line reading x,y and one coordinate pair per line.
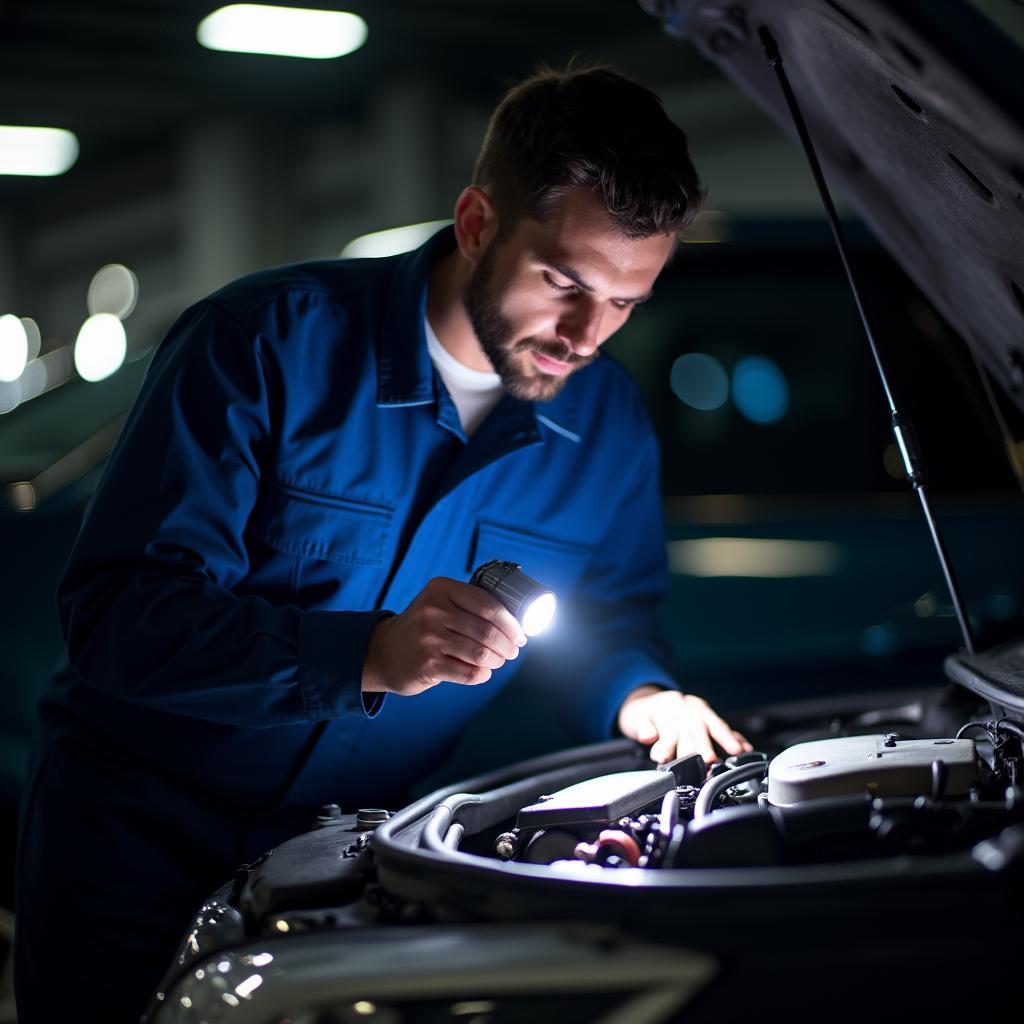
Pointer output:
x,y
474,392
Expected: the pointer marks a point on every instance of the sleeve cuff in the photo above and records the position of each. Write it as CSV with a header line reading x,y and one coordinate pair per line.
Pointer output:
x,y
332,649
620,676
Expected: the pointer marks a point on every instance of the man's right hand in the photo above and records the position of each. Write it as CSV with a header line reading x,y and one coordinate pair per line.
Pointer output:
x,y
451,631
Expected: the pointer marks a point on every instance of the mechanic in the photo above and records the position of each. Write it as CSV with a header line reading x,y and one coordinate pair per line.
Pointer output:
x,y
315,448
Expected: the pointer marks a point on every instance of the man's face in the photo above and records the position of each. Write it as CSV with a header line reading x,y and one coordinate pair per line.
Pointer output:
x,y
544,299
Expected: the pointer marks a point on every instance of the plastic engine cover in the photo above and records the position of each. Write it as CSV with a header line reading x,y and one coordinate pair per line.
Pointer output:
x,y
879,765
599,800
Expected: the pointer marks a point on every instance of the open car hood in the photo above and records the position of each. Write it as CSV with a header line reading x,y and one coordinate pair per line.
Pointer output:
x,y
917,111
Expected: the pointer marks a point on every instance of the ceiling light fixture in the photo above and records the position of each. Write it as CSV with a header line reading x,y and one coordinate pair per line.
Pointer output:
x,y
282,31
36,152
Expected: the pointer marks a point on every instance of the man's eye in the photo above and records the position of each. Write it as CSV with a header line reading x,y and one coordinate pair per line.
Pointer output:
x,y
559,287
623,306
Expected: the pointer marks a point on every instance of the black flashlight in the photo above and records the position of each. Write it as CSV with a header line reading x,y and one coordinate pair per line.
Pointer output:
x,y
530,602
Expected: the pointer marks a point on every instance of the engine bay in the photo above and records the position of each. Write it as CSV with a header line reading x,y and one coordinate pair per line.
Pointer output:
x,y
828,800
850,830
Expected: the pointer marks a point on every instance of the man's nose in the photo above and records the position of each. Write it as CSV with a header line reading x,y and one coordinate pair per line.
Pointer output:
x,y
580,328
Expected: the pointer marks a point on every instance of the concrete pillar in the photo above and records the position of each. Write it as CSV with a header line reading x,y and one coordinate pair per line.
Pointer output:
x,y
221,216
406,129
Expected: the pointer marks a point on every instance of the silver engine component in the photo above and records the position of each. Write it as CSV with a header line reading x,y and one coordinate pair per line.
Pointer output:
x,y
879,765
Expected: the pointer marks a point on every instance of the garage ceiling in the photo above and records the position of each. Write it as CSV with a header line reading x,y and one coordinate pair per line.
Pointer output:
x,y
125,75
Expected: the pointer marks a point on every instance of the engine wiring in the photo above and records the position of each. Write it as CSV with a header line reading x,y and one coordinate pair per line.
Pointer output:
x,y
1002,733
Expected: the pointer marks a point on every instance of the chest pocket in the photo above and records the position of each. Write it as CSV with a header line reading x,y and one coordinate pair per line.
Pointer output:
x,y
322,526
557,564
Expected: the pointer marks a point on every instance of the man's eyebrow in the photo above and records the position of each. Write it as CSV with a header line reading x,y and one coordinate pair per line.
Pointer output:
x,y
573,275
577,279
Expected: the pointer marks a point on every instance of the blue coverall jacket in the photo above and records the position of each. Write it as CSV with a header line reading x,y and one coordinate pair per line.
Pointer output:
x,y
293,469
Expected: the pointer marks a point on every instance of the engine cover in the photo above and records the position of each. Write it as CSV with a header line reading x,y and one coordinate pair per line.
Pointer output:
x,y
879,765
597,801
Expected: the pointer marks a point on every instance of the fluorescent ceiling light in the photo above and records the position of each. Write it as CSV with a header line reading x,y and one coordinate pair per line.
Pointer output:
x,y
282,31
392,241
36,152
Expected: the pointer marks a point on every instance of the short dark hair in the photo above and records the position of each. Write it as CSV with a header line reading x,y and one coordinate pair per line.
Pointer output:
x,y
589,128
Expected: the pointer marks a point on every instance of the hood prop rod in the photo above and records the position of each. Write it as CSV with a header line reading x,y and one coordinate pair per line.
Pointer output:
x,y
903,431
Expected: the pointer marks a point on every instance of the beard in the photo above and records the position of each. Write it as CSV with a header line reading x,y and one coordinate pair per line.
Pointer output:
x,y
510,356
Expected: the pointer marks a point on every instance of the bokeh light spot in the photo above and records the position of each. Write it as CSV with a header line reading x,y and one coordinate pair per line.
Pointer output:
x,y
760,390
34,336
13,347
100,347
700,381
114,289
878,641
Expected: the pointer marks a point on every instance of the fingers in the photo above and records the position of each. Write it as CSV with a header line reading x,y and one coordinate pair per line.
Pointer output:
x,y
468,632
485,606
454,670
677,725
694,739
727,738
473,652
665,746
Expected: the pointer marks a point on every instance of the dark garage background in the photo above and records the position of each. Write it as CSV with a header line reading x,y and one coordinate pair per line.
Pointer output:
x,y
196,167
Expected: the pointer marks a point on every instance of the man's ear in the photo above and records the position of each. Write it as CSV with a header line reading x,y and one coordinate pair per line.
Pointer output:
x,y
476,222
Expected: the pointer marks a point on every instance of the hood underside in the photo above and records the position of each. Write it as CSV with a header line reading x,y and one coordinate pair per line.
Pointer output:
x,y
917,112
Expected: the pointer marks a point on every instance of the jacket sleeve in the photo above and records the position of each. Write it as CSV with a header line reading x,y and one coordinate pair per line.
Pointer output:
x,y
147,604
608,639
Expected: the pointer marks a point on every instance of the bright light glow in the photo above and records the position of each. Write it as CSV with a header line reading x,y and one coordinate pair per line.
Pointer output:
x,y
282,31
262,959
760,390
364,1008
392,241
247,987
700,381
13,347
537,615
36,152
754,557
113,289
100,347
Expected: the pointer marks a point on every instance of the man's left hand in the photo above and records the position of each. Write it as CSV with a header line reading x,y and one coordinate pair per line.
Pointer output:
x,y
677,724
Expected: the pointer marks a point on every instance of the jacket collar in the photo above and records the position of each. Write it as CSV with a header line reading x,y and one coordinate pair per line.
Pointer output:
x,y
405,373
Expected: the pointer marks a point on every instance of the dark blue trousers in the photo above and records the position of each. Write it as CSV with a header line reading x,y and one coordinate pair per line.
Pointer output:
x,y
113,862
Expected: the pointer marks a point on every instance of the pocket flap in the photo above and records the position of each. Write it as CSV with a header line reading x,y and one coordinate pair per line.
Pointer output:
x,y
556,563
332,528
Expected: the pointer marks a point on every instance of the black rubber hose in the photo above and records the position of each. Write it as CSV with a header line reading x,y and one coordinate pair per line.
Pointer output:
x,y
715,787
